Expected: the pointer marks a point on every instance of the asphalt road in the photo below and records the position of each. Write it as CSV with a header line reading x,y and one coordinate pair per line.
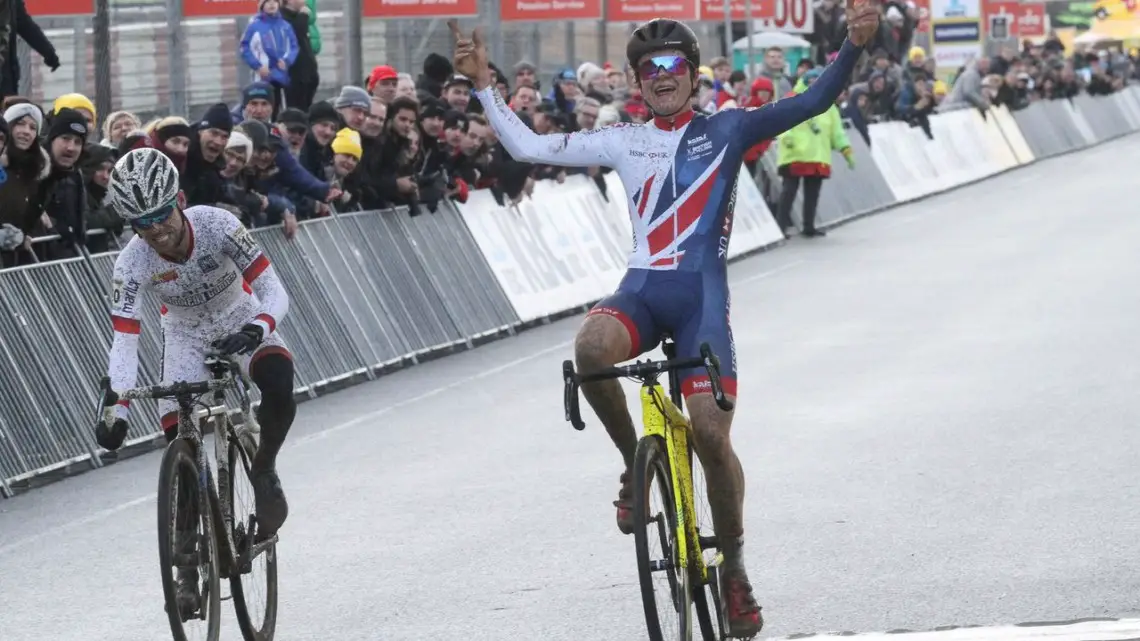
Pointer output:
x,y
938,420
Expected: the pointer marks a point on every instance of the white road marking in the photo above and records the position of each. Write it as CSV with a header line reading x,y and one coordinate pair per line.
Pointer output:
x,y
1099,630
766,274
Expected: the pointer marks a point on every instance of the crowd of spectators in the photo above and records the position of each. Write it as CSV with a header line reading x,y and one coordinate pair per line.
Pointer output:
x,y
277,157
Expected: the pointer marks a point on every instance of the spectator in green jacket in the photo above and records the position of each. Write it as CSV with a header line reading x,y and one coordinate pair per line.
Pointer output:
x,y
314,31
805,154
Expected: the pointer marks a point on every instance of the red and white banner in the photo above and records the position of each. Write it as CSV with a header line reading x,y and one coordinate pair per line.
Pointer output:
x,y
789,16
420,8
713,10
218,8
1002,7
45,8
1031,20
923,7
538,10
645,10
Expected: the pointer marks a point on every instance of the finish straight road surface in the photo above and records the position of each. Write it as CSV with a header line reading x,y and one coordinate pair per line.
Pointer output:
x,y
939,418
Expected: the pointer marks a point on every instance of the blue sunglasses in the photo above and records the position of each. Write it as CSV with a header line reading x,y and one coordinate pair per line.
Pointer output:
x,y
158,217
655,66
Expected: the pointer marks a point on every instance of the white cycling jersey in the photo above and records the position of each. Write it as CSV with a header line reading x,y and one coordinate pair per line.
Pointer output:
x,y
225,283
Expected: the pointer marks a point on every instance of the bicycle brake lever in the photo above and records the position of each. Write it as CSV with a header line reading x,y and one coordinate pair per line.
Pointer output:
x,y
570,396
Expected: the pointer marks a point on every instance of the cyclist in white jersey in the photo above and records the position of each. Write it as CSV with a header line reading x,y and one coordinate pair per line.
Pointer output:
x,y
217,290
679,172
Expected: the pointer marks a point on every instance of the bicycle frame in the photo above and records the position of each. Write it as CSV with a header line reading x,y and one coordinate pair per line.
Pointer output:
x,y
672,426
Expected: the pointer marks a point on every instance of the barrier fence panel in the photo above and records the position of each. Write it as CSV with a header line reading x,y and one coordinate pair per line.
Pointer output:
x,y
371,288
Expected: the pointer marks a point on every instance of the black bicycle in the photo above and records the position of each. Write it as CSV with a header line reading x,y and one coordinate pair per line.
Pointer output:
x,y
202,538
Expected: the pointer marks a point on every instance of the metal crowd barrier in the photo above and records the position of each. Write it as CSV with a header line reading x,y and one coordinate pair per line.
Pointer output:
x,y
367,291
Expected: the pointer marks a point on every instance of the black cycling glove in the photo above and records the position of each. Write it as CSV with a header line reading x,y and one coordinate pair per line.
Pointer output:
x,y
242,342
111,438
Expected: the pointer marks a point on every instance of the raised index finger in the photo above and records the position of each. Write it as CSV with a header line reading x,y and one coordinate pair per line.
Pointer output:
x,y
453,24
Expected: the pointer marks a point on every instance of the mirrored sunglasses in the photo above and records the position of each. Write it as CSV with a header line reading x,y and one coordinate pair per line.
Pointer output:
x,y
156,218
655,66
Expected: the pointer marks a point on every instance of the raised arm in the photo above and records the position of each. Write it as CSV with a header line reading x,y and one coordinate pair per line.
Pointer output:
x,y
578,149
775,118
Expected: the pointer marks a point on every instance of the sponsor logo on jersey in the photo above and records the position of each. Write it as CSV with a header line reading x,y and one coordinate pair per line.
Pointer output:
x,y
207,263
637,153
165,277
126,296
204,292
245,244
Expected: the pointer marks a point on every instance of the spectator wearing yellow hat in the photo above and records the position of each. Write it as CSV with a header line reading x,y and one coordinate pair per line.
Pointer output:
x,y
78,102
347,150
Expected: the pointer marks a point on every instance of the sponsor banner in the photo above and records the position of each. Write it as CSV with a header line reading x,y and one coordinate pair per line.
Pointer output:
x,y
1001,20
420,8
713,10
788,16
538,10
955,9
923,8
1031,20
645,10
218,8
45,8
957,32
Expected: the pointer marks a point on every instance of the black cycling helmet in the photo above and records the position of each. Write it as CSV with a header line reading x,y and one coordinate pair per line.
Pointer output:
x,y
660,34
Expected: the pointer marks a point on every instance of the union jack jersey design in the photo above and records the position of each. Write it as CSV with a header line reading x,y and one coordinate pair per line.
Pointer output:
x,y
680,175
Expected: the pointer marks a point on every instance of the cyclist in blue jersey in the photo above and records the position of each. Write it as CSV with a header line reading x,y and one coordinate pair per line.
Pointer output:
x,y
679,172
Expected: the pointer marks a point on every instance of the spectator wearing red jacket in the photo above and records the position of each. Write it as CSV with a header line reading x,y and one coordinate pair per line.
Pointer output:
x,y
758,96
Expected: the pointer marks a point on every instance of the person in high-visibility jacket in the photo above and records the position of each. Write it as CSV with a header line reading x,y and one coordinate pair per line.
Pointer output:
x,y
804,154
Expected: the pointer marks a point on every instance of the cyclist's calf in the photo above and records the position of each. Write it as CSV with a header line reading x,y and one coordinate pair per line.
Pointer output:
x,y
272,372
724,475
603,341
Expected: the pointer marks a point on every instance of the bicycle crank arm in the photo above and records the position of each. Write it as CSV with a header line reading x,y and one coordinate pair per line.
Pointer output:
x,y
254,552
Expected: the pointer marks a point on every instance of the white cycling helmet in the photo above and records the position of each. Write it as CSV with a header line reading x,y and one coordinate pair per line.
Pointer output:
x,y
143,181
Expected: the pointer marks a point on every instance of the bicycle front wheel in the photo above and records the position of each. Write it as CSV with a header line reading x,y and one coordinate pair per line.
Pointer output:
x,y
666,589
187,552
254,589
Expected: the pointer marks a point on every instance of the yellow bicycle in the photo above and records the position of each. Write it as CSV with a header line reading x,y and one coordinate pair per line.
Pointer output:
x,y
689,556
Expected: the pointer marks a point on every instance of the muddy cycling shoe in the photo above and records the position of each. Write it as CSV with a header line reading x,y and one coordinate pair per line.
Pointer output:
x,y
624,505
272,508
744,618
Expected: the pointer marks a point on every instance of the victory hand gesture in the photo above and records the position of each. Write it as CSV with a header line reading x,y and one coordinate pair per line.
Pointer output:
x,y
471,55
862,21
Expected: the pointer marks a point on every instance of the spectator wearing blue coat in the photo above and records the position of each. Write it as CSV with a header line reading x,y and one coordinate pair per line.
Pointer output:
x,y
269,46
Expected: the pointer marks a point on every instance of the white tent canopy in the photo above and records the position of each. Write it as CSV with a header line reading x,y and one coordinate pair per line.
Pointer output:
x,y
766,39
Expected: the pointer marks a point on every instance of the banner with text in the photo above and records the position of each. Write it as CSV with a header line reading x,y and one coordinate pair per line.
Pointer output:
x,y
538,10
218,8
644,10
1031,20
713,10
420,8
788,16
45,8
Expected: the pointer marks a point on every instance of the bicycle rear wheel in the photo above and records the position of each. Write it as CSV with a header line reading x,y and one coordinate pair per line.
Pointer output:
x,y
706,612
254,591
668,611
186,547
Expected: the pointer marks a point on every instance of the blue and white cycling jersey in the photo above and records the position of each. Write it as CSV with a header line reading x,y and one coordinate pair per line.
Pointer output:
x,y
680,180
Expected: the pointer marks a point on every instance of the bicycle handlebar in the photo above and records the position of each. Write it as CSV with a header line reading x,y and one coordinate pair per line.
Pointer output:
x,y
645,371
222,365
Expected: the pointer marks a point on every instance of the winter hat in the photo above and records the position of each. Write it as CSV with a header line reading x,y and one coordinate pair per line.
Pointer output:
x,y
217,117
524,65
258,133
294,117
324,112
432,109
25,110
454,119
588,72
238,140
74,101
437,67
255,91
379,73
67,121
347,142
352,96
171,127
95,154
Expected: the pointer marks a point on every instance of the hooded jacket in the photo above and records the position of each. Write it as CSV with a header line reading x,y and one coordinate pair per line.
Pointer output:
x,y
805,150
754,100
267,40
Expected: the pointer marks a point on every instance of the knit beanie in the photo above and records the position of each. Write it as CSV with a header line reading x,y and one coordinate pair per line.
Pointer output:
x,y
67,121
25,110
255,91
217,117
322,111
240,141
347,142
351,96
74,101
